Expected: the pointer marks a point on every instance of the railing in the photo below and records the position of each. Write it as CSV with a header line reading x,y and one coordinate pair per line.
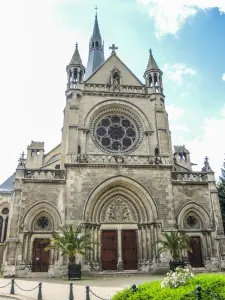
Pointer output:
x,y
197,293
108,88
117,159
189,176
13,283
45,174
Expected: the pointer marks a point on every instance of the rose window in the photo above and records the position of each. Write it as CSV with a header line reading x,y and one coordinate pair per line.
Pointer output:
x,y
192,222
116,133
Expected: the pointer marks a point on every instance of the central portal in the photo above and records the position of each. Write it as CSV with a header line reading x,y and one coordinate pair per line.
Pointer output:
x,y
115,245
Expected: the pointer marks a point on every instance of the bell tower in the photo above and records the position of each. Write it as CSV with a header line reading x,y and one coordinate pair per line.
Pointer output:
x,y
154,86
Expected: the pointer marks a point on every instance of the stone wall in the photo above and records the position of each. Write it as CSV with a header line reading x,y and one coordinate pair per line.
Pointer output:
x,y
81,182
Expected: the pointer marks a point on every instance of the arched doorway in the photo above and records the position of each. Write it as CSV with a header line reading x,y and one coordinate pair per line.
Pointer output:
x,y
120,215
195,221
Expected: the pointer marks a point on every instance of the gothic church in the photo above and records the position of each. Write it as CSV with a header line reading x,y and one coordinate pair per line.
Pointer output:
x,y
115,172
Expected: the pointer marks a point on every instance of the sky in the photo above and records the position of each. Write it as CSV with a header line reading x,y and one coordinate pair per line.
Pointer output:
x,y
187,38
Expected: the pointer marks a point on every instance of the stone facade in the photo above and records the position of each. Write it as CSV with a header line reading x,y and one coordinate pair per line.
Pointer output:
x,y
114,169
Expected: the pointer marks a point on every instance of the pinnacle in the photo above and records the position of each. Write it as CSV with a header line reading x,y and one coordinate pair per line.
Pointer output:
x,y
152,65
76,60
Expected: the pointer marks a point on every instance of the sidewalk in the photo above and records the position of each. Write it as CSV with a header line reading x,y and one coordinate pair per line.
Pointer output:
x,y
58,289
55,291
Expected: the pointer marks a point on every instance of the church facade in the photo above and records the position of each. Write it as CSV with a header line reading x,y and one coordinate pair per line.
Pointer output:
x,y
116,173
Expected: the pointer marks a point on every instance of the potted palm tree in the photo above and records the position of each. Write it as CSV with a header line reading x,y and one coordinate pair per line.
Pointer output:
x,y
72,242
175,243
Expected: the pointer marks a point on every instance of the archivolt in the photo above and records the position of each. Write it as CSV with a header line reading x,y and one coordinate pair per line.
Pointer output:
x,y
39,208
125,188
119,104
198,210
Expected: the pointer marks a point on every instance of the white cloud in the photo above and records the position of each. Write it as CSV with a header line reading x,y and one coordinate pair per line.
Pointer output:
x,y
35,48
211,143
170,15
177,72
179,127
175,115
223,77
174,112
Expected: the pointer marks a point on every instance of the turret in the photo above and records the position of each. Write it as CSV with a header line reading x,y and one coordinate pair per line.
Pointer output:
x,y
35,155
153,76
75,70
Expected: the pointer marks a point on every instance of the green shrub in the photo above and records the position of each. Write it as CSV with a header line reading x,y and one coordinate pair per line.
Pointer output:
x,y
211,284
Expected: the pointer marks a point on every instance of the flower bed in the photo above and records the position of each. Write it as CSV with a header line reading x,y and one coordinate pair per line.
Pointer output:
x,y
211,283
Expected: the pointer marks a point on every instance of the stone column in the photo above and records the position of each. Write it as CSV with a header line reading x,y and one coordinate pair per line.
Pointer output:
x,y
119,261
209,245
153,242
206,243
139,243
149,242
99,247
143,235
155,238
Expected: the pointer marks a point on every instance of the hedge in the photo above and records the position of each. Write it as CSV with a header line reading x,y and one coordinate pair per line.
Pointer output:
x,y
211,284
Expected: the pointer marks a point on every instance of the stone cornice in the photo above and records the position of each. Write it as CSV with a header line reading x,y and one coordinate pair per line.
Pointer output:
x,y
117,166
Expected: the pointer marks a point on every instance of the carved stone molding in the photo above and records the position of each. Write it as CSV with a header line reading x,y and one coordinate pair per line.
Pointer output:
x,y
119,211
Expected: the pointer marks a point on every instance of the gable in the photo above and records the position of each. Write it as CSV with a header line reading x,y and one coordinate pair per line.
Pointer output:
x,y
102,74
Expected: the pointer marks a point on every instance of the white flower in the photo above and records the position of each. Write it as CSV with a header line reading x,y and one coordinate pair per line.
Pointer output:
x,y
177,278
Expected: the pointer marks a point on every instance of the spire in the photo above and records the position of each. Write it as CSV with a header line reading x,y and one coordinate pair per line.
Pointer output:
x,y
152,65
76,60
96,49
96,31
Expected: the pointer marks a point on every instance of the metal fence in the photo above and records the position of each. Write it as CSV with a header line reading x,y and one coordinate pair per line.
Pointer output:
x,y
196,294
13,284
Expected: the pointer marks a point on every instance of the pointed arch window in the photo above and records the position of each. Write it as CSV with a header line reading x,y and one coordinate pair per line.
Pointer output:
x,y
3,224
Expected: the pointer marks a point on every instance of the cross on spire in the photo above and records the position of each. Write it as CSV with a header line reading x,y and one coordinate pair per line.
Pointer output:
x,y
113,48
96,10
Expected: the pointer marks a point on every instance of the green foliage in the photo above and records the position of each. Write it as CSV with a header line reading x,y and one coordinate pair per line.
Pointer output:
x,y
211,283
71,241
174,242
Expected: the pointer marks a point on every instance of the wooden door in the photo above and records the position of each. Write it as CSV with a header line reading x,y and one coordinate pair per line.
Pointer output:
x,y
109,250
41,258
129,249
195,257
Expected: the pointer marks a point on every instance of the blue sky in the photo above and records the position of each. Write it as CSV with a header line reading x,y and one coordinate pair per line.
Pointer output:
x,y
188,43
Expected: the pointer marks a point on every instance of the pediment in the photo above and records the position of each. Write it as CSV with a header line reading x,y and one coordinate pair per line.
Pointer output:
x,y
103,74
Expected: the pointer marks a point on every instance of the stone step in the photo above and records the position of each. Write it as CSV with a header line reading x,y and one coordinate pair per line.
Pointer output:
x,y
39,274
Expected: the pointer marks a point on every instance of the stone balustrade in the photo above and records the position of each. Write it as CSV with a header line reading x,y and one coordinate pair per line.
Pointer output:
x,y
117,159
108,88
189,176
45,174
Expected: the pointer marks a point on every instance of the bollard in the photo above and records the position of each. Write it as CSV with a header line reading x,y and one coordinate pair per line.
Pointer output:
x,y
134,288
12,290
199,293
87,292
71,297
39,297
